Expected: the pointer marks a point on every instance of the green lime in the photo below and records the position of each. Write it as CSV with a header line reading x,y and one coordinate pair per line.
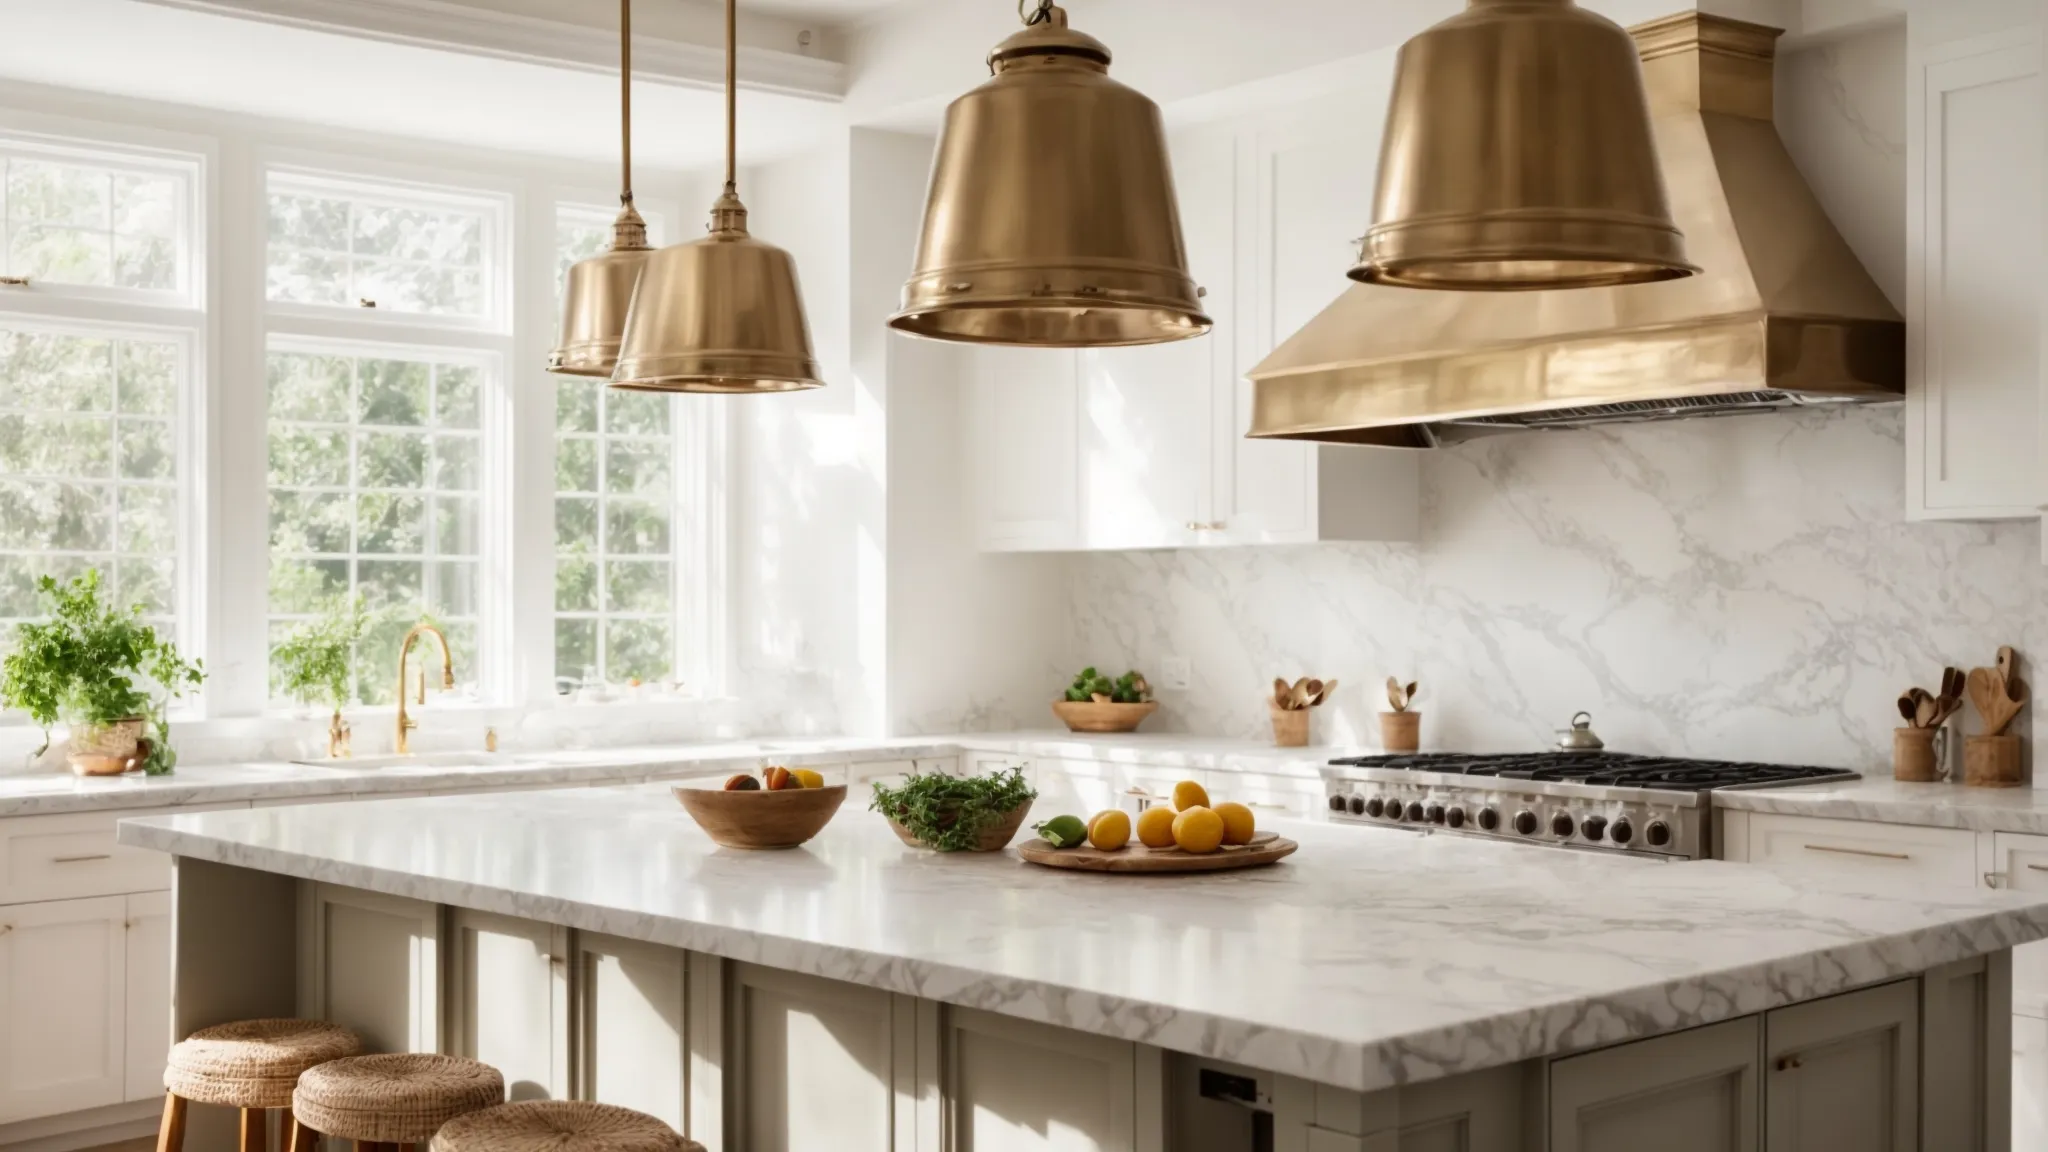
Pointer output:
x,y
1063,831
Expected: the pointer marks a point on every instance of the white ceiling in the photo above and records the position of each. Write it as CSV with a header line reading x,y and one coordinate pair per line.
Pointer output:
x,y
145,50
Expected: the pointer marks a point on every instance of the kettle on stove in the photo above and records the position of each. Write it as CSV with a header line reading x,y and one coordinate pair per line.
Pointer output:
x,y
1580,737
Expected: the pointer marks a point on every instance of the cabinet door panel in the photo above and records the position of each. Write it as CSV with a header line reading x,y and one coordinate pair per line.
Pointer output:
x,y
815,1063
62,991
633,1043
1975,142
1016,1086
1858,849
374,967
508,1000
2029,1084
1144,444
148,1009
1027,424
1693,1091
2021,862
1844,1073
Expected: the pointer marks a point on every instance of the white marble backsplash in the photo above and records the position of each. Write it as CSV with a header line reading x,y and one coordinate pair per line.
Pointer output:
x,y
1736,587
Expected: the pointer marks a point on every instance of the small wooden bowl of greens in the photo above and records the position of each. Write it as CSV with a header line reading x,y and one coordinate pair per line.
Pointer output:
x,y
956,813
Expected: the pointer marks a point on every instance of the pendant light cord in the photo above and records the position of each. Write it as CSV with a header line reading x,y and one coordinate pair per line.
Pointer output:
x,y
626,103
732,52
1038,15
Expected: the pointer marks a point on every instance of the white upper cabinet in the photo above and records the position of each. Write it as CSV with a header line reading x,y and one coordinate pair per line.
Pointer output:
x,y
1144,447
1976,135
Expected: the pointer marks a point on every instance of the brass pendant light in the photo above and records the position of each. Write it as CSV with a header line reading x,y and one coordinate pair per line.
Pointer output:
x,y
1051,219
1518,156
600,289
720,314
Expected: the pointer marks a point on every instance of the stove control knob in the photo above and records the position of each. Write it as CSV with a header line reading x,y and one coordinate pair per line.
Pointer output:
x,y
1357,806
1621,832
1659,833
1525,822
1434,813
1337,804
1561,825
1369,807
1415,811
1393,808
1455,817
1488,819
1593,827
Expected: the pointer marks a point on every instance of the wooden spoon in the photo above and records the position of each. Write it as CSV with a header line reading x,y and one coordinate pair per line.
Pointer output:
x,y
1299,699
1394,695
1907,709
2008,665
1924,709
1329,689
1281,693
1312,693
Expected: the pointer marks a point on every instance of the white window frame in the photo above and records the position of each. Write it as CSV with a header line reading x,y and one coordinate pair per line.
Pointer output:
x,y
495,207
107,150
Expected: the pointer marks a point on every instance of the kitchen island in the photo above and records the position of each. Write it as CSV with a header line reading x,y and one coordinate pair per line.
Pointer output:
x,y
1378,990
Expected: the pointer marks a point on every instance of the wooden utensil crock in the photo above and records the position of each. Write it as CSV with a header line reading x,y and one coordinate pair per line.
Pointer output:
x,y
1991,761
1290,726
1401,731
1913,755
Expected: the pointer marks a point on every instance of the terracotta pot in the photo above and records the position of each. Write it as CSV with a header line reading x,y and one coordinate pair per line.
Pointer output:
x,y
107,749
994,838
758,818
1290,726
1088,716
1991,761
1401,731
1914,756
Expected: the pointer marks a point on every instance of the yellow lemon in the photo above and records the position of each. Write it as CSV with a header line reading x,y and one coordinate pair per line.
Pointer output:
x,y
1110,829
1198,830
807,778
1188,794
1237,822
1155,827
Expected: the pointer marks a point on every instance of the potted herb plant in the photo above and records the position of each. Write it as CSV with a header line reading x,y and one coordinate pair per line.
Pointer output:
x,y
103,671
956,813
315,662
1095,703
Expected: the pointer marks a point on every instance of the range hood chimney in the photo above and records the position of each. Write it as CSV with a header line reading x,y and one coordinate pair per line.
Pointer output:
x,y
1783,314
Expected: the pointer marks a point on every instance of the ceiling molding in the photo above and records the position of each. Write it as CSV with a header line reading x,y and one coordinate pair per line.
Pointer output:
x,y
508,36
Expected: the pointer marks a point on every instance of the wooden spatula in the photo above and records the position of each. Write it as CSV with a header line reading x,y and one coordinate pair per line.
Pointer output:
x,y
1992,700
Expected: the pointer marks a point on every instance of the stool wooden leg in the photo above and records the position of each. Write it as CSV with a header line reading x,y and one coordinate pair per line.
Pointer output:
x,y
303,1139
170,1136
255,1136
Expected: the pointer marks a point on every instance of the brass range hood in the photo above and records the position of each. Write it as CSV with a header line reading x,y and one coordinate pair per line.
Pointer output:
x,y
1781,315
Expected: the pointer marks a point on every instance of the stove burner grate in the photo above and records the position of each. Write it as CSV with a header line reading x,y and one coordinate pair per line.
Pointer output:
x,y
1611,768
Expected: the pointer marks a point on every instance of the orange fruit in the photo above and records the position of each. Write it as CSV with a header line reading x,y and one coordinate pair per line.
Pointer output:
x,y
1110,829
1155,827
1237,822
1198,830
1188,794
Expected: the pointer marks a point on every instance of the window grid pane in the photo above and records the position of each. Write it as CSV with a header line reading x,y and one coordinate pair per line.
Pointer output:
x,y
93,224
85,482
371,492
338,246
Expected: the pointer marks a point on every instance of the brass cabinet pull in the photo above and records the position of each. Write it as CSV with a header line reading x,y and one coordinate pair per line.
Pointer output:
x,y
1788,1063
14,281
1256,804
1857,852
365,302
82,859
1205,525
2037,867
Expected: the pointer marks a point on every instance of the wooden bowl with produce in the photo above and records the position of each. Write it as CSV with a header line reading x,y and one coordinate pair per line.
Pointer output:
x,y
1095,703
956,813
778,808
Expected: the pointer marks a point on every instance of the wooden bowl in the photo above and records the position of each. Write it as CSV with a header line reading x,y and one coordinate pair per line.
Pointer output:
x,y
759,818
1088,716
994,838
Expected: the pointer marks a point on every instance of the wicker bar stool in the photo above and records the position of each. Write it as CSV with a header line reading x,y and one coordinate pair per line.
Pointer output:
x,y
252,1065
382,1102
559,1126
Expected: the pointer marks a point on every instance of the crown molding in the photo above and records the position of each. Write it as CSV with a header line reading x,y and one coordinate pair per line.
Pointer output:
x,y
508,36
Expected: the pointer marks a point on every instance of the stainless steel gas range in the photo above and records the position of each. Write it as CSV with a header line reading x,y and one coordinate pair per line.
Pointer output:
x,y
1650,806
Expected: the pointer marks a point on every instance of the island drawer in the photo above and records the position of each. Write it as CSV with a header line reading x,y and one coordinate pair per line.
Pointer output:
x,y
67,856
1863,848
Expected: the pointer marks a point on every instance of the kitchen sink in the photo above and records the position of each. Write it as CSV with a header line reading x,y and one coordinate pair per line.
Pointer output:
x,y
418,760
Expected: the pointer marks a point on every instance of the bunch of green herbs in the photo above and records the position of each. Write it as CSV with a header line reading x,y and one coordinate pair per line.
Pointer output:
x,y
314,661
949,813
1129,688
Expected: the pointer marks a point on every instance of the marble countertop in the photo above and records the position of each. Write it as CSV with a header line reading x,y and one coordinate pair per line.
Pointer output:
x,y
1371,957
1890,801
52,792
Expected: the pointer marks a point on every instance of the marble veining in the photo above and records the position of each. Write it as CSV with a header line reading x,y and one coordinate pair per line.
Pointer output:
x,y
1889,801
1369,958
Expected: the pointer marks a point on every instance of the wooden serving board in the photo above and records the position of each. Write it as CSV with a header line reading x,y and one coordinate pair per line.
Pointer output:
x,y
1265,848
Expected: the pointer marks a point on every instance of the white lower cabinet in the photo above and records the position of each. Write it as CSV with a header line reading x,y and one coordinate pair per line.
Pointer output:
x,y
371,963
815,1063
148,981
1077,787
2021,861
508,1000
1004,1078
1862,1046
1885,853
63,997
632,1036
1693,1091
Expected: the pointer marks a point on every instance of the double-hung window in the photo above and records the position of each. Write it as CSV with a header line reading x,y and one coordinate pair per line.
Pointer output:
x,y
387,346
101,344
